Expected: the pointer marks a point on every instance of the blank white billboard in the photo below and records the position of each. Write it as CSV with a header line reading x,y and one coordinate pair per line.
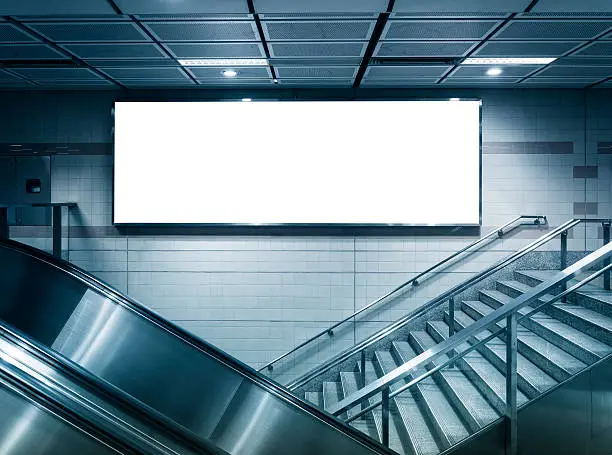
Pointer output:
x,y
297,162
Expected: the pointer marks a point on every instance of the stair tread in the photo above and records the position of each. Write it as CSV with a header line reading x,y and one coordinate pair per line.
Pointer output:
x,y
470,397
419,433
435,404
331,393
575,336
539,344
314,398
522,287
484,369
348,381
593,317
526,369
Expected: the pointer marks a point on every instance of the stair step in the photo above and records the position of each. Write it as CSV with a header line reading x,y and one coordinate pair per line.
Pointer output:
x,y
531,379
591,295
349,381
420,438
474,409
552,359
583,319
514,289
488,379
397,434
446,424
332,393
315,398
582,346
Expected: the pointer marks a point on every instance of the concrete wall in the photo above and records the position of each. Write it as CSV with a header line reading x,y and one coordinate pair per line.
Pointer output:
x,y
545,152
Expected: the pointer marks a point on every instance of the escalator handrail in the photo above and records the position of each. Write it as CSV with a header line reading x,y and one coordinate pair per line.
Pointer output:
x,y
206,348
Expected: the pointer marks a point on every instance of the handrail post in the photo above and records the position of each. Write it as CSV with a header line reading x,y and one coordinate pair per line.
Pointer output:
x,y
563,260
385,417
451,322
511,386
57,230
362,367
4,229
606,239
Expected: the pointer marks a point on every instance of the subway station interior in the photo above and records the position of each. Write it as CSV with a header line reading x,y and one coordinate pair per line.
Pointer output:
x,y
305,227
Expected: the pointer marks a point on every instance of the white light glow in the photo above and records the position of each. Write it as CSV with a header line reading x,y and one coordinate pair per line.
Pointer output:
x,y
246,100
509,61
230,73
322,162
494,71
224,62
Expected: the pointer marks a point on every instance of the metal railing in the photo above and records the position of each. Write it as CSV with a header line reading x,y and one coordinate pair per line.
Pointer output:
x,y
414,281
449,347
449,297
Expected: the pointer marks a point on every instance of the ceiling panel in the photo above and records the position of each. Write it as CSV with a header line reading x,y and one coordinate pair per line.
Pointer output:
x,y
115,51
7,78
556,6
420,6
253,72
216,50
513,71
399,82
320,6
58,74
317,49
153,83
181,6
552,30
437,30
558,82
203,30
29,52
608,36
9,33
597,49
318,30
583,71
479,82
313,82
407,71
526,48
423,48
70,32
236,82
326,72
170,73
54,7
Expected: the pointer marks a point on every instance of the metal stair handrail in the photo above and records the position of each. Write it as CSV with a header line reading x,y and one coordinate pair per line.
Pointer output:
x,y
449,346
414,281
447,296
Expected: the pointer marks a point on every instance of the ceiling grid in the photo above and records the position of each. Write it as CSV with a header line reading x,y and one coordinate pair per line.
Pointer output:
x,y
317,43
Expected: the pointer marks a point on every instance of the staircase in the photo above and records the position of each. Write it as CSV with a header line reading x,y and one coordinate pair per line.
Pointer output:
x,y
457,401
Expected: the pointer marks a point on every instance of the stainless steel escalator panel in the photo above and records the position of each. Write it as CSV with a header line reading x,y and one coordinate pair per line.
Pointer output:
x,y
26,428
219,400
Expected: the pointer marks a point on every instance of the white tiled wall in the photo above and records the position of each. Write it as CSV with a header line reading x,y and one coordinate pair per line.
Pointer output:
x,y
256,297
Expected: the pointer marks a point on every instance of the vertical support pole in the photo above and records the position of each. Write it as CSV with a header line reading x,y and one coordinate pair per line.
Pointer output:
x,y
385,417
511,386
362,367
563,260
362,374
606,240
57,230
451,316
4,231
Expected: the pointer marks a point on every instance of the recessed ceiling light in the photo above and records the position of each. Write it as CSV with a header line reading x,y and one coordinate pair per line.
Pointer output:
x,y
509,61
275,81
494,71
224,62
455,99
230,73
246,100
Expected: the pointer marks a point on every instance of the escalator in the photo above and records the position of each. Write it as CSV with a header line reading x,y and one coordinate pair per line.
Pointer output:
x,y
173,387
